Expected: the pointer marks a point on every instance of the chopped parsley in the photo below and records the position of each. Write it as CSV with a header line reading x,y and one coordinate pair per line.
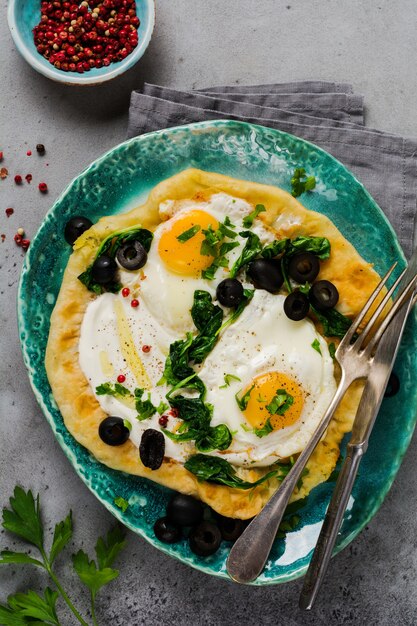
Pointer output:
x,y
243,401
301,183
127,424
188,234
121,503
265,429
316,346
107,389
162,407
228,378
249,219
145,408
332,349
280,403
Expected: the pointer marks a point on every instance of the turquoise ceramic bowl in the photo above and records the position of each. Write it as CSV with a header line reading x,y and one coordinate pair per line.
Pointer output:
x,y
121,179
23,15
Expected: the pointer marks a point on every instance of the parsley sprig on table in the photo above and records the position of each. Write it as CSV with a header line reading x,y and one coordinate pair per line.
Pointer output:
x,y
24,520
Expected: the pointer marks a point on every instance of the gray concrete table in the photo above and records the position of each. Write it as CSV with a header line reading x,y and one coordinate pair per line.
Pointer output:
x,y
195,44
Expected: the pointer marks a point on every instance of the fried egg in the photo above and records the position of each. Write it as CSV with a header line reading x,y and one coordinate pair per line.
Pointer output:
x,y
260,355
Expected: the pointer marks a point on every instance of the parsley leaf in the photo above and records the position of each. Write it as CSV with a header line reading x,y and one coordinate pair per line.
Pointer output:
x,y
145,408
280,403
117,391
228,378
243,401
301,183
249,219
121,503
188,234
265,429
31,605
24,519
62,535
316,346
89,574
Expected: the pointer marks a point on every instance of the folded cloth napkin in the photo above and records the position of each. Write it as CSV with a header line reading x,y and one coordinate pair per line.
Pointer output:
x,y
325,113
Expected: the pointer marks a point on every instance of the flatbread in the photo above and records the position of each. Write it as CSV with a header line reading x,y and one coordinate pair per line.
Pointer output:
x,y
82,414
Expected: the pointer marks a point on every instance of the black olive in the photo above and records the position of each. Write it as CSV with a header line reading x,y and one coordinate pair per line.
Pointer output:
x,y
104,269
113,431
323,295
296,306
152,448
230,292
304,267
230,528
132,255
184,510
266,274
205,539
393,386
75,227
166,531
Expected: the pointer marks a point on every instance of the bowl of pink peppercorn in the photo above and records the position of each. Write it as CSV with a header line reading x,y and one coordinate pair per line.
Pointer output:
x,y
81,43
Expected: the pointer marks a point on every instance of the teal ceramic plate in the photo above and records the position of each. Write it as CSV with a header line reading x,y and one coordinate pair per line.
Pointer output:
x,y
120,180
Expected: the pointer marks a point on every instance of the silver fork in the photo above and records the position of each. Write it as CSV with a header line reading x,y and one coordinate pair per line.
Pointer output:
x,y
248,555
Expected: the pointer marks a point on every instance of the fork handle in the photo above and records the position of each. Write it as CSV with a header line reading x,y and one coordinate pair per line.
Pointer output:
x,y
249,553
331,525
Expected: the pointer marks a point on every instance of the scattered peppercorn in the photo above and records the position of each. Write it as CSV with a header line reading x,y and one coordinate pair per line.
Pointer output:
x,y
40,148
163,420
174,412
134,303
125,292
18,239
3,237
9,212
29,153
121,378
28,178
18,179
1,156
43,187
4,173
25,244
82,37
146,348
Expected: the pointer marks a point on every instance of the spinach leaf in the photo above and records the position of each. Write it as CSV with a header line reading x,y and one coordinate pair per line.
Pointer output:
x,y
320,246
216,470
301,183
216,438
252,249
275,248
335,324
110,246
247,297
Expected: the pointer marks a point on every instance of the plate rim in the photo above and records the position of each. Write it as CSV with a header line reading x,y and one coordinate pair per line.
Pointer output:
x,y
221,574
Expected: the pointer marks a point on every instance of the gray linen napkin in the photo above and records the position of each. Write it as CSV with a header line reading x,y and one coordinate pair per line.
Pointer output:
x,y
385,163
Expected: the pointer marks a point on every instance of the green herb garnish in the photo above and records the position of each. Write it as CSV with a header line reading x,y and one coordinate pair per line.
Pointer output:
x,y
332,350
121,503
316,346
228,378
320,246
274,249
216,470
162,407
107,389
188,234
145,408
301,183
335,324
265,429
127,424
24,520
243,401
249,219
280,403
252,249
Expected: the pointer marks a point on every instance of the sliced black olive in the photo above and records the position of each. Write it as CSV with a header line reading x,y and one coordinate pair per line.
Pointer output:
x,y
323,295
75,227
166,531
230,528
230,292
104,269
184,510
304,267
205,539
393,386
132,255
296,306
113,431
152,448
266,274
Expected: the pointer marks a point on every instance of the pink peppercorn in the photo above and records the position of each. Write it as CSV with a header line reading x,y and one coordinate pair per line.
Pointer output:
x,y
163,420
125,292
18,179
43,187
134,303
121,378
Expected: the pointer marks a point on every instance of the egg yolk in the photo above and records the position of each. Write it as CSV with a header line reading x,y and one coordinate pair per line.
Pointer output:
x,y
265,388
183,256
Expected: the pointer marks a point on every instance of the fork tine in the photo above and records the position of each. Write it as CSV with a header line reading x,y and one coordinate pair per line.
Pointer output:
x,y
358,319
405,294
381,306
